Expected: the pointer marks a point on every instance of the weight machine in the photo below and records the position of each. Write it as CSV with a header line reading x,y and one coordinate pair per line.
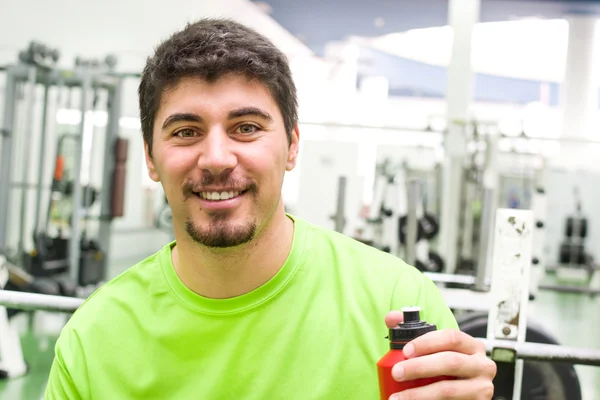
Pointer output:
x,y
70,249
388,223
494,306
65,257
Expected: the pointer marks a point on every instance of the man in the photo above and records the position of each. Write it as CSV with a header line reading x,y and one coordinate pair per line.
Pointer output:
x,y
248,302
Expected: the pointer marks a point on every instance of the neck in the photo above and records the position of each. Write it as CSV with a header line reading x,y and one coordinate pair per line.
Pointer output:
x,y
231,273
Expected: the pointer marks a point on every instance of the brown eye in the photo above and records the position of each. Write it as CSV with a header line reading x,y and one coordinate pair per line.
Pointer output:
x,y
185,133
247,129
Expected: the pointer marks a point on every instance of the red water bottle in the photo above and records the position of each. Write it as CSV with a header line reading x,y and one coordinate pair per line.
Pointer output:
x,y
400,335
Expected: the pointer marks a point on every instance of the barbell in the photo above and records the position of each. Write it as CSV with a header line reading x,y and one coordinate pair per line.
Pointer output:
x,y
39,302
524,351
545,352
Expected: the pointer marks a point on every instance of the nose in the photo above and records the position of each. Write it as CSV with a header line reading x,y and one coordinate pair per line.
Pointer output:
x,y
217,155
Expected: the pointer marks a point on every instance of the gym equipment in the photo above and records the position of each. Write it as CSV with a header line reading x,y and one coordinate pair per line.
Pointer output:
x,y
531,364
574,262
417,251
576,227
398,196
434,263
39,302
543,376
71,248
572,252
339,218
428,227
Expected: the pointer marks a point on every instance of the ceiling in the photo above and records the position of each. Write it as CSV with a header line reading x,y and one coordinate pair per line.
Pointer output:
x,y
316,22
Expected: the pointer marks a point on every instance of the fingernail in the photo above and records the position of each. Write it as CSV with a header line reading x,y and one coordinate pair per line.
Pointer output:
x,y
394,397
409,350
398,372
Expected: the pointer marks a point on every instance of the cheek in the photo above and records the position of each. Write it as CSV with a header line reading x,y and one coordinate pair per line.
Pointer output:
x,y
178,162
266,164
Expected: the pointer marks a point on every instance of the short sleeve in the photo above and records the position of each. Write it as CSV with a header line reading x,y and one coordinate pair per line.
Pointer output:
x,y
68,374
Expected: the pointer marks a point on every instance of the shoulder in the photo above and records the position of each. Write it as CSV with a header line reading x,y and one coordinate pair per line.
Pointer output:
x,y
122,292
352,259
374,276
376,261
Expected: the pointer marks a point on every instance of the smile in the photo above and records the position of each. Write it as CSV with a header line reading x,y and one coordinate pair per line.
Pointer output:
x,y
218,196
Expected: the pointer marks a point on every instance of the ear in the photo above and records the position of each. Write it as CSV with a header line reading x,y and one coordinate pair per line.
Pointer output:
x,y
150,165
293,149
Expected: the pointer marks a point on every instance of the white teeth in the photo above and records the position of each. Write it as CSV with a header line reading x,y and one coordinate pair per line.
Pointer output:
x,y
218,196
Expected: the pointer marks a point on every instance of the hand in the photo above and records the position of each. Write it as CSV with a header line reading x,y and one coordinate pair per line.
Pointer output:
x,y
445,352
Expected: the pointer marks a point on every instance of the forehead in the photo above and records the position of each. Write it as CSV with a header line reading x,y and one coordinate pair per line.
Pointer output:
x,y
229,91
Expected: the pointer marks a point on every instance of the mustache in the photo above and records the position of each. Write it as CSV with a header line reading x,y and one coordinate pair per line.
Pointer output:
x,y
191,187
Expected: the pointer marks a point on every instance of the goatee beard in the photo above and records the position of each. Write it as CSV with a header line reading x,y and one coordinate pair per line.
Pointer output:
x,y
220,233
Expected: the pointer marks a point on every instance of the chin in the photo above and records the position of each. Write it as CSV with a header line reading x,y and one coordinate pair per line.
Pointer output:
x,y
221,233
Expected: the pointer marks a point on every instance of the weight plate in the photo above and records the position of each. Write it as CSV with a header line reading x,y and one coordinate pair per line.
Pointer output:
x,y
581,231
541,380
402,227
429,226
433,264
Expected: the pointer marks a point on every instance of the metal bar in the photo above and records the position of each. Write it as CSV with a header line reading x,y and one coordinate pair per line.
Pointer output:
x,y
570,289
339,217
509,292
546,352
40,302
461,299
451,278
468,222
115,106
412,192
75,239
26,157
69,78
42,159
372,127
7,134
485,231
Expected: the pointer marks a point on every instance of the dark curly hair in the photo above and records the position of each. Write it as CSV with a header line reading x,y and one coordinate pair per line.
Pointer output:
x,y
209,49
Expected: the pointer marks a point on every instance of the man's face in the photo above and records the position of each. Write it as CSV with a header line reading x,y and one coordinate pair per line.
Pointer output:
x,y
220,151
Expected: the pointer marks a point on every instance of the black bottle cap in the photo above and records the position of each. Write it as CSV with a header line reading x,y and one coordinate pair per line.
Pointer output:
x,y
411,328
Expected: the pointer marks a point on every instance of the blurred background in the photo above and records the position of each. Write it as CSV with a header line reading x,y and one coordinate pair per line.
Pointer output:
x,y
485,104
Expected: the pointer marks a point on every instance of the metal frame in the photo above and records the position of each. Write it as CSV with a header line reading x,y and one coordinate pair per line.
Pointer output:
x,y
7,147
86,78
511,261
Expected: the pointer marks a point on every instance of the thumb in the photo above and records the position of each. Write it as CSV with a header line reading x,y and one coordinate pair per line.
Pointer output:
x,y
393,318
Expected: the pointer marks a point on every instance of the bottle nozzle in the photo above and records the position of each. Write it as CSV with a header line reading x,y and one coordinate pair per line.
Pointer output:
x,y
410,328
411,314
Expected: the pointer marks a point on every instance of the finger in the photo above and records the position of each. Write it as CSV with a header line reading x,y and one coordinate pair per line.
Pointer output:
x,y
449,390
444,340
393,318
444,364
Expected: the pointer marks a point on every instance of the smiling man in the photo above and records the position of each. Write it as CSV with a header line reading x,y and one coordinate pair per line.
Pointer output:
x,y
248,302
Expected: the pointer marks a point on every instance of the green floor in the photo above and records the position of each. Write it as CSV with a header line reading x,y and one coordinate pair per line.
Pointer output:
x,y
573,319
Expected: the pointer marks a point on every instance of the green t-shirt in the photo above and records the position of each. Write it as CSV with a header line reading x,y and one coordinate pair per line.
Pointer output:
x,y
314,331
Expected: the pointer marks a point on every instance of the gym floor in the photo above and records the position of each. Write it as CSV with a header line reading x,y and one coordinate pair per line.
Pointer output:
x,y
568,317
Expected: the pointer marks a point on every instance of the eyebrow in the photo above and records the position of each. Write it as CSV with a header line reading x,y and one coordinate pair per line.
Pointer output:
x,y
247,111
181,117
